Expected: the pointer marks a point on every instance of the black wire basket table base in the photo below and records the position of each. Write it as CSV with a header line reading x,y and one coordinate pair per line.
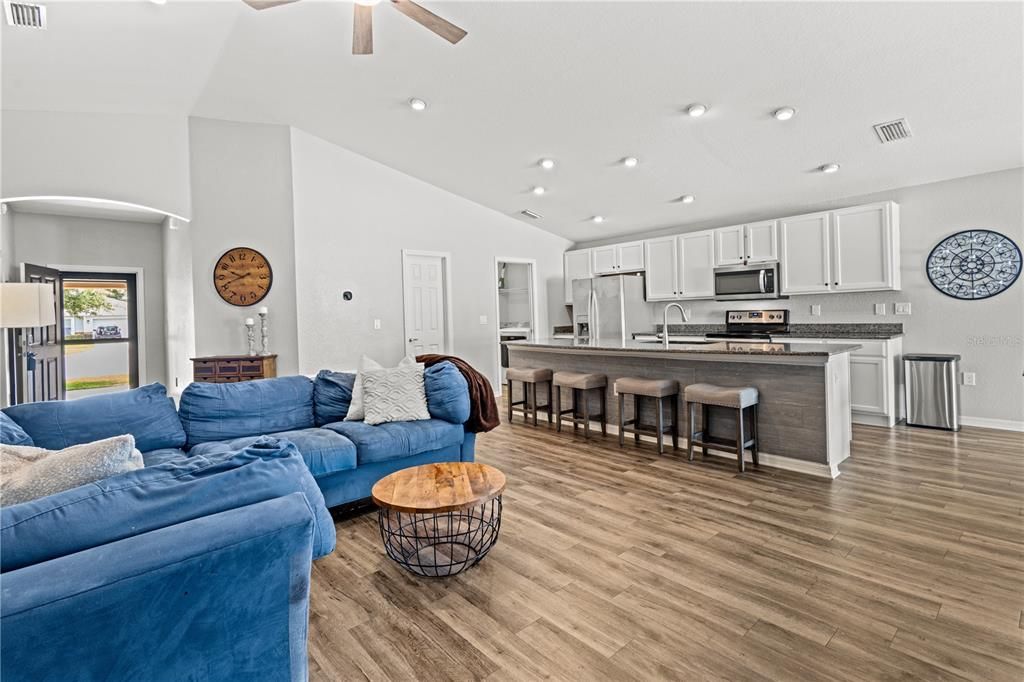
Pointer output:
x,y
441,544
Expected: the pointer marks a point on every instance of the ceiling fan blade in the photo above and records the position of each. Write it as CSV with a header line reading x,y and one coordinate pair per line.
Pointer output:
x,y
362,30
267,4
425,17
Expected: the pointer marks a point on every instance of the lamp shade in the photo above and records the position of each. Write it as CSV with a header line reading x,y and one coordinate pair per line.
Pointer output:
x,y
27,305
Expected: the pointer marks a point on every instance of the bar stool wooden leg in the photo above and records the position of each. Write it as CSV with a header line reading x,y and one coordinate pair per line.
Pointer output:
x,y
622,419
575,410
604,411
705,430
558,409
509,391
675,422
637,402
533,393
754,435
659,424
691,409
739,439
551,385
586,414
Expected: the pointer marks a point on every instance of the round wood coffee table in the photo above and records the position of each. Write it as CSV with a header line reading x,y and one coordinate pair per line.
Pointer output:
x,y
439,519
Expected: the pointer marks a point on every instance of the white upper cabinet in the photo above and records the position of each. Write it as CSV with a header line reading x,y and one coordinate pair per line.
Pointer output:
x,y
729,245
804,250
627,257
742,244
762,242
576,265
865,248
697,264
662,279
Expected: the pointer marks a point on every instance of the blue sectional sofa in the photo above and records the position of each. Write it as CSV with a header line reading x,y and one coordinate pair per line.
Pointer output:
x,y
196,566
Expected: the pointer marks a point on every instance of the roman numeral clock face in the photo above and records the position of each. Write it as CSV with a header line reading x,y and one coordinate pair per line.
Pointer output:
x,y
243,276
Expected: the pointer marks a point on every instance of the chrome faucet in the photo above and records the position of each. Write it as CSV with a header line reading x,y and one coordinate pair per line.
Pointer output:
x,y
664,322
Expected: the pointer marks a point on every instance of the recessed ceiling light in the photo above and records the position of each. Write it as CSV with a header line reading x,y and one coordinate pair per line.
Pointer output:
x,y
546,164
687,198
538,190
597,219
697,109
630,162
784,113
829,168
417,104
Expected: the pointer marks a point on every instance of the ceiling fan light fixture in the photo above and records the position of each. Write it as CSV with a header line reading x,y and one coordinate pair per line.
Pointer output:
x,y
417,104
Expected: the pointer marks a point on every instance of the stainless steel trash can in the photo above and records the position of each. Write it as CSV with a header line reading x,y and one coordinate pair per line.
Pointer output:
x,y
932,390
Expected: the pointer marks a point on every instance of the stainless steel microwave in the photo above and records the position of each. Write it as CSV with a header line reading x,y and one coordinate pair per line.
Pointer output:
x,y
747,282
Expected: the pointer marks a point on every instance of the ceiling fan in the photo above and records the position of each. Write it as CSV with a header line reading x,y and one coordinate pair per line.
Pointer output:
x,y
362,31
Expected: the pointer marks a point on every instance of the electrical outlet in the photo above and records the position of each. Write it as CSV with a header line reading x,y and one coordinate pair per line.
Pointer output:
x,y
901,308
376,324
970,379
815,309
879,309
483,319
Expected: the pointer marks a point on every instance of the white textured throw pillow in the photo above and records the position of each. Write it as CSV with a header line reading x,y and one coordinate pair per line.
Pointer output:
x,y
395,395
356,411
28,473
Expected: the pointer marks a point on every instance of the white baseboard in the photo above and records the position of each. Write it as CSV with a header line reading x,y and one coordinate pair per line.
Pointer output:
x,y
799,466
873,420
986,423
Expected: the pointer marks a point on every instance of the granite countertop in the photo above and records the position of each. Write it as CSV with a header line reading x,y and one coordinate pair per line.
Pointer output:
x,y
717,348
808,331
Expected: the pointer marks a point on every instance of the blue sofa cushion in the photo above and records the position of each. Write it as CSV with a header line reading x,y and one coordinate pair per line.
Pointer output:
x,y
384,442
146,413
11,433
139,501
332,394
323,451
161,455
447,393
216,412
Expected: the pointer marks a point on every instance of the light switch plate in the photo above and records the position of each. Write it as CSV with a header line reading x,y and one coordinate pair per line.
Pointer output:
x,y
376,324
815,309
483,319
879,309
970,379
901,308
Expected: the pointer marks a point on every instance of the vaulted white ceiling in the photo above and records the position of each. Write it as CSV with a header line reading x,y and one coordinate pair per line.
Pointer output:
x,y
585,83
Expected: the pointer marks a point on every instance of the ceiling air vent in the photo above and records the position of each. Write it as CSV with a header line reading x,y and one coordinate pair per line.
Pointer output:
x,y
893,130
530,214
25,14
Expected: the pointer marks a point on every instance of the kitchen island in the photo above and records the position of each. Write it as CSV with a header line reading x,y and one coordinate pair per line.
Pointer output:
x,y
804,418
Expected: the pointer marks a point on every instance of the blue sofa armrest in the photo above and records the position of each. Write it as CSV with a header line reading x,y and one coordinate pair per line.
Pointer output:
x,y
221,597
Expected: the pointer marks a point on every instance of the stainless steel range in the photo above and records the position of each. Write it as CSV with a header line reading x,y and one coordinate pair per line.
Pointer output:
x,y
752,325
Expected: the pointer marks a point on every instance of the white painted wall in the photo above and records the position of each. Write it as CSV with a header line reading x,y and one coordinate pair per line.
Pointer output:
x,y
242,196
179,304
65,240
353,217
989,334
133,158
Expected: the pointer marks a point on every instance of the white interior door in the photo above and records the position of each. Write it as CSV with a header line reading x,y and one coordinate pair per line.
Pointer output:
x,y
425,306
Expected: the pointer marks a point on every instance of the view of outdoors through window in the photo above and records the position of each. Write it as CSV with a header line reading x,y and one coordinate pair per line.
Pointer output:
x,y
95,319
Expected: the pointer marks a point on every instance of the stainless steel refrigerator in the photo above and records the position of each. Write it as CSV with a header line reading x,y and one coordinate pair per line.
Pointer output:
x,y
608,310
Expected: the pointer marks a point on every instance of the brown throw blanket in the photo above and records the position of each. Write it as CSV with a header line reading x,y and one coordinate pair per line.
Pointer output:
x,y
483,409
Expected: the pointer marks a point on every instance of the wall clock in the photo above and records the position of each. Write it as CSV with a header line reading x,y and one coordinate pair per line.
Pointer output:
x,y
242,276
974,264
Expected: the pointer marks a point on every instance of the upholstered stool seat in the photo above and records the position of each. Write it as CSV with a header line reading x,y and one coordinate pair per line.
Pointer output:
x,y
579,383
529,377
656,390
533,375
740,399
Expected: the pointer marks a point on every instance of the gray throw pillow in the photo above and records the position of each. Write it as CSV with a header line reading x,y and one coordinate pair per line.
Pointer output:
x,y
395,395
27,473
356,410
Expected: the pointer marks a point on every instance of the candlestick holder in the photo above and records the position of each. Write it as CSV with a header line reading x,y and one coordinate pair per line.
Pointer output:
x,y
250,335
264,335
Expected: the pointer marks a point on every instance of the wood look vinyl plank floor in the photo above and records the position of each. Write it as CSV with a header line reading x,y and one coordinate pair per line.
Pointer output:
x,y
620,564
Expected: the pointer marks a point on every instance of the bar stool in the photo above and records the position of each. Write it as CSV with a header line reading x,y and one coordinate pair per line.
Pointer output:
x,y
529,377
738,399
657,390
580,383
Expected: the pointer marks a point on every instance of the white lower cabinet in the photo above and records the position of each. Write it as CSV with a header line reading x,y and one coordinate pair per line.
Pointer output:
x,y
875,378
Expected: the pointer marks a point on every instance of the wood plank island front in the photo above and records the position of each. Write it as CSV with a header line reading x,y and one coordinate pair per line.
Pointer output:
x,y
804,419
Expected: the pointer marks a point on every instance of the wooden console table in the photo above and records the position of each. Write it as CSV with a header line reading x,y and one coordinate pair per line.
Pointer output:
x,y
222,369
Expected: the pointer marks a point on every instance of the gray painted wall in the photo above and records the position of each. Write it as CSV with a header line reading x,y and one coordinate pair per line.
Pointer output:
x,y
65,240
989,334
353,218
242,196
